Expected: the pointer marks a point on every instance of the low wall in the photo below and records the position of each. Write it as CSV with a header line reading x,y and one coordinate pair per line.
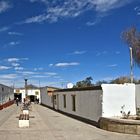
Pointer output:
x,y
120,125
1,107
6,104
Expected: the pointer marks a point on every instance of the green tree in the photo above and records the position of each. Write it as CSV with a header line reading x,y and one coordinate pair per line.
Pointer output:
x,y
98,83
84,83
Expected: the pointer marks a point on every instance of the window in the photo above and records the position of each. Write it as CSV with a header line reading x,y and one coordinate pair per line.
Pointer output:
x,y
64,100
36,93
17,91
54,99
2,89
73,103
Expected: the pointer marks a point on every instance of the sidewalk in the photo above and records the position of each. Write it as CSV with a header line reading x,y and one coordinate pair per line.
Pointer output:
x,y
5,113
46,124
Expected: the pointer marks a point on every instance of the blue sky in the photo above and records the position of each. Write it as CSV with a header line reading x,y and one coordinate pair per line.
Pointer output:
x,y
54,42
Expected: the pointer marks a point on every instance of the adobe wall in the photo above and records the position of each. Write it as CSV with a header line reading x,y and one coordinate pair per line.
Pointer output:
x,y
120,125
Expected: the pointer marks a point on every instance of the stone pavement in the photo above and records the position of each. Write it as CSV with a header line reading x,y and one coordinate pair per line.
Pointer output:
x,y
46,124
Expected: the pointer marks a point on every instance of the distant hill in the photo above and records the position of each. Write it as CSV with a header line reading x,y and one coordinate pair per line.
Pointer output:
x,y
32,86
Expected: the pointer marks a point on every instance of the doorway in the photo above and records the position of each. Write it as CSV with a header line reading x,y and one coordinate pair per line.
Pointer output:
x,y
32,98
18,95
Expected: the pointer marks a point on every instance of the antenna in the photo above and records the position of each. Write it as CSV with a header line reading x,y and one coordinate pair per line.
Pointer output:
x,y
70,85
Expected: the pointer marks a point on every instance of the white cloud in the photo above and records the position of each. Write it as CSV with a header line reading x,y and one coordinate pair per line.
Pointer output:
x,y
27,72
92,23
72,8
15,33
13,43
101,53
55,11
15,64
3,29
4,68
44,1
35,69
40,76
78,52
38,69
4,6
113,65
24,58
8,76
36,19
67,64
50,65
106,5
137,9
13,59
51,73
19,68
57,77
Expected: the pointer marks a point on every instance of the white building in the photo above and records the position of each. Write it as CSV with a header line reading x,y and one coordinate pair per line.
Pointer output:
x,y
95,102
32,94
47,95
6,96
116,96
81,102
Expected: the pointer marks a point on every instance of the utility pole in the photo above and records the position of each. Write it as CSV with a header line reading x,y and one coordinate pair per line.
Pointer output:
x,y
26,88
131,65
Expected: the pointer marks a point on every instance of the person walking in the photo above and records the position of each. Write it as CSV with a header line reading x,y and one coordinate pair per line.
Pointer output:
x,y
17,101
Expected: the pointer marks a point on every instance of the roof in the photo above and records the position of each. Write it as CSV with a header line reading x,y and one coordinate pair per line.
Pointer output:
x,y
51,87
80,89
29,87
6,86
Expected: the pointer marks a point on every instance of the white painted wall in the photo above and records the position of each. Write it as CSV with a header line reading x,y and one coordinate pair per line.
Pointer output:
x,y
45,99
138,96
33,92
92,104
29,92
88,103
22,91
117,95
6,93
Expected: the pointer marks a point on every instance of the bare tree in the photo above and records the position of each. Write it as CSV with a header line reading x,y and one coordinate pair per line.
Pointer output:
x,y
132,37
